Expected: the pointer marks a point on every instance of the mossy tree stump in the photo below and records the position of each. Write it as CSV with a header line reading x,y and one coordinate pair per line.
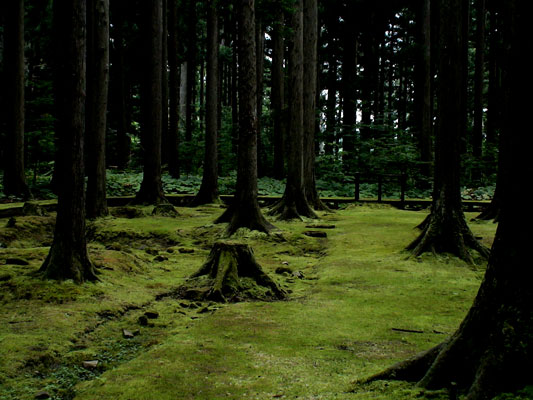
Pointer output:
x,y
231,273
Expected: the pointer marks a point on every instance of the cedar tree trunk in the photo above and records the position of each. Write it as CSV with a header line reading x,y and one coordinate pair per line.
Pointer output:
x,y
310,77
96,116
277,95
151,191
14,173
208,192
445,229
294,201
244,210
174,90
68,258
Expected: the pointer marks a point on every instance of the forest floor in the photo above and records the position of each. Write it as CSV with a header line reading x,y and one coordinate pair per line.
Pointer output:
x,y
357,303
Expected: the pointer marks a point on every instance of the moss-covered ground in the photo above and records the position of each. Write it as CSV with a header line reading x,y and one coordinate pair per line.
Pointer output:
x,y
357,304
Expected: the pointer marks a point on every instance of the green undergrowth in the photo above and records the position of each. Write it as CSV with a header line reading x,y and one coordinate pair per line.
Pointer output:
x,y
357,303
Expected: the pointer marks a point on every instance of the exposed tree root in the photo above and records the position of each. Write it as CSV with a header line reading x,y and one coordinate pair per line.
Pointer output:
x,y
245,215
492,212
447,232
411,370
287,209
64,263
231,273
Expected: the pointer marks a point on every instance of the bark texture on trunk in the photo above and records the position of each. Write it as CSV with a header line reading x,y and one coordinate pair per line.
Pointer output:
x,y
244,212
173,90
119,88
14,181
424,91
310,79
293,204
277,96
151,191
96,112
208,192
68,258
446,230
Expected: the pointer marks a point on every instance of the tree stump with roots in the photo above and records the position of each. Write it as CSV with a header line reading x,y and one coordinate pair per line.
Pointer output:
x,y
231,273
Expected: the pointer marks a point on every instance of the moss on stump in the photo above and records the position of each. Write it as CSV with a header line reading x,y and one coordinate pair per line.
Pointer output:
x,y
231,274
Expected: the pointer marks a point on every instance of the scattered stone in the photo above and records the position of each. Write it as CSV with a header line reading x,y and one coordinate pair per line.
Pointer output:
x,y
161,258
114,246
285,262
320,226
283,270
152,252
317,234
17,261
127,334
11,222
143,321
183,250
298,274
151,314
90,364
43,394
5,277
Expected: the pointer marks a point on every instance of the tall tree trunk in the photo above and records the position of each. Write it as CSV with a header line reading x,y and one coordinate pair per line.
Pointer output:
x,y
495,75
424,90
294,201
151,191
119,87
349,91
14,173
234,89
331,102
278,94
260,60
445,229
208,192
174,90
477,133
191,75
244,211
96,116
310,77
492,351
164,86
68,258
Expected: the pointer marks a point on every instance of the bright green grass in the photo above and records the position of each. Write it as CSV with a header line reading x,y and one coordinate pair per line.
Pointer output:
x,y
336,328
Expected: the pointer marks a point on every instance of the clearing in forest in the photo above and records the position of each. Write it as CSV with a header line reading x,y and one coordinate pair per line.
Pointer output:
x,y
355,304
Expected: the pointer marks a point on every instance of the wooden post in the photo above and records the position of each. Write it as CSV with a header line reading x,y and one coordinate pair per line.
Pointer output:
x,y
357,183
403,188
380,187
